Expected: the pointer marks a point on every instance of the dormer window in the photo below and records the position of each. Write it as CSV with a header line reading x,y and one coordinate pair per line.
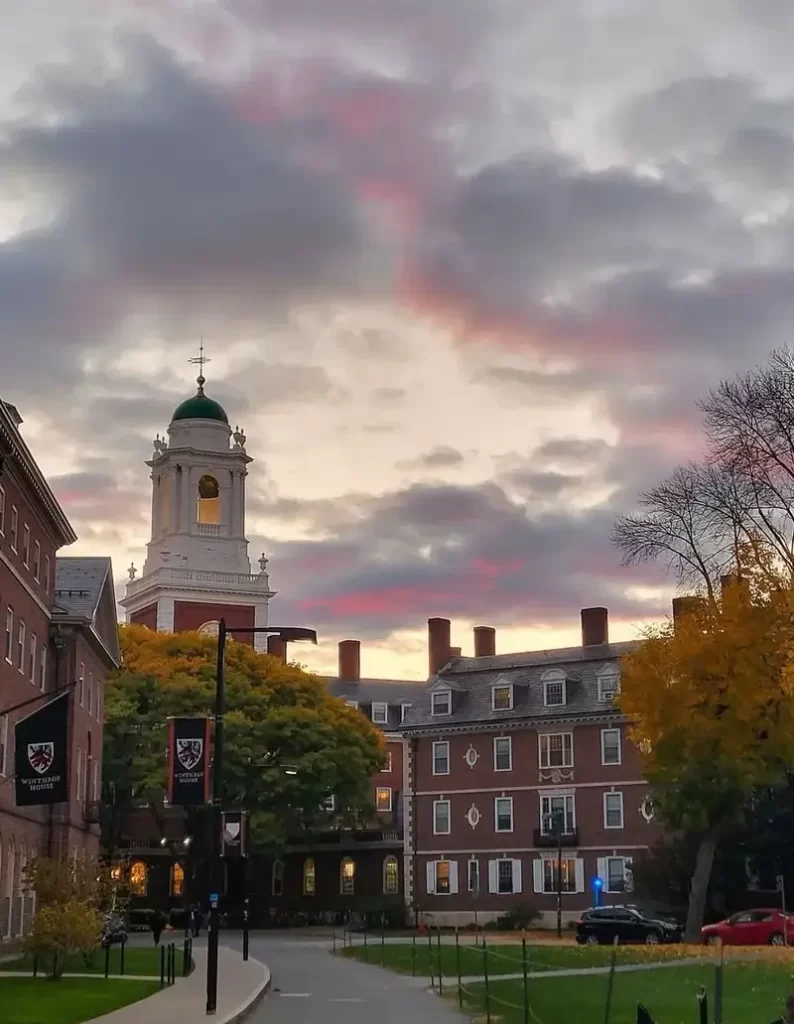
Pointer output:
x,y
441,702
608,685
554,689
380,712
404,709
352,703
502,697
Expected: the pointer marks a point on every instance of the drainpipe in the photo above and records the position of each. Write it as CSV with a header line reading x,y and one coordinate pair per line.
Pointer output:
x,y
414,743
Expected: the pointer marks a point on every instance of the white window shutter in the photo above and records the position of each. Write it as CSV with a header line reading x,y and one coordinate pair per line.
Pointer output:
x,y
579,875
628,874
516,876
493,876
431,875
537,875
601,868
453,876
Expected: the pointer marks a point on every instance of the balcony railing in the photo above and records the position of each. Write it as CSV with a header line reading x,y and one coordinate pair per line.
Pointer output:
x,y
188,577
569,838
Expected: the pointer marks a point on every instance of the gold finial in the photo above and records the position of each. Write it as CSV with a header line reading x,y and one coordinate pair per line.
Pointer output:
x,y
200,359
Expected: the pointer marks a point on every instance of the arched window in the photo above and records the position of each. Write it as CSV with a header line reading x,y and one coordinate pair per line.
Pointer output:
x,y
347,876
309,878
139,878
391,876
208,503
277,878
177,880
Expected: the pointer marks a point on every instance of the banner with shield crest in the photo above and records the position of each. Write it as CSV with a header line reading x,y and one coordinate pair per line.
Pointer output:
x,y
188,761
41,755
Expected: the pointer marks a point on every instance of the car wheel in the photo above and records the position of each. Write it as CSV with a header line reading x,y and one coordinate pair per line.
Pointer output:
x,y
592,940
652,938
777,939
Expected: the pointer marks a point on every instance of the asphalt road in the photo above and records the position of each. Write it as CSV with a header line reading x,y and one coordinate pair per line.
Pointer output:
x,y
310,986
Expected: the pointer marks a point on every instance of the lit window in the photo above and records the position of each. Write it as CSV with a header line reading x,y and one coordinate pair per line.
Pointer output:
x,y
37,561
388,762
441,817
391,876
502,754
208,503
443,877
441,758
567,874
608,685
309,877
116,873
347,874
441,702
139,878
557,810
503,813
613,810
556,750
177,880
383,799
502,698
610,746
380,713
277,878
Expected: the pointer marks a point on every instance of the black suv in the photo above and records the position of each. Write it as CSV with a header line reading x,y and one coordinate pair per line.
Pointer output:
x,y
627,923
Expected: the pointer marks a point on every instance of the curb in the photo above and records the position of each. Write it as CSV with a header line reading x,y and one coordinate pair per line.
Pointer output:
x,y
253,1001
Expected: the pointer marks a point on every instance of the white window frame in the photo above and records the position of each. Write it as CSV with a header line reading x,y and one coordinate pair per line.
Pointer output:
x,y
14,528
404,708
434,695
26,545
472,875
81,684
494,876
547,737
329,804
448,829
612,676
509,741
3,744
386,769
619,794
352,704
555,677
496,802
547,814
43,668
383,708
36,561
90,693
378,791
502,686
33,653
628,875
78,775
347,886
440,743
604,733
431,870
390,861
551,863
46,574
8,638
22,647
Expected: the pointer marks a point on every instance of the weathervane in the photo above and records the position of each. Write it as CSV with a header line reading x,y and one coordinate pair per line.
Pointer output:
x,y
200,359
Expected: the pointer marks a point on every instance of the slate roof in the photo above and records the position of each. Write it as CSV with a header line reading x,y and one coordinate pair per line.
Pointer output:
x,y
393,692
79,587
471,680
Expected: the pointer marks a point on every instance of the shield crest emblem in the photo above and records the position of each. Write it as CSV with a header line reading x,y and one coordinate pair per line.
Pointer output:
x,y
232,831
41,756
189,751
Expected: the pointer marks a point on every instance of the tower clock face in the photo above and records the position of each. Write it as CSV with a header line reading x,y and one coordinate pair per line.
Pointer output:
x,y
209,628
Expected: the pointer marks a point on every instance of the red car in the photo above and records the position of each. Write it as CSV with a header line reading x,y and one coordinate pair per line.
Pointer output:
x,y
751,928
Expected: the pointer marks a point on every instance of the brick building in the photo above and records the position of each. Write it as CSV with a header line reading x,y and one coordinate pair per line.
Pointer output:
x,y
499,751
57,629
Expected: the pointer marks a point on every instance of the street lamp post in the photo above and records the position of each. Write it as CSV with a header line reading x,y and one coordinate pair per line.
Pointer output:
x,y
556,826
288,633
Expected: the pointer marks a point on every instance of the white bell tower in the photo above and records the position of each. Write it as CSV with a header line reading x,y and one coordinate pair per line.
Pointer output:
x,y
197,568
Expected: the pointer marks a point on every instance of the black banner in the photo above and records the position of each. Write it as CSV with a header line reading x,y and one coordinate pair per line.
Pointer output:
x,y
188,761
41,755
234,833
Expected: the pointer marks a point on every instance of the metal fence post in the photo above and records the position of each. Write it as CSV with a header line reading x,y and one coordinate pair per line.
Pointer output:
x,y
366,953
703,1005
162,966
611,981
107,960
440,968
524,971
485,978
185,958
123,950
430,956
457,967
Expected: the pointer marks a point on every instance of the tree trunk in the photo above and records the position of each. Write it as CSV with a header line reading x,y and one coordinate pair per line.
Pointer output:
x,y
699,887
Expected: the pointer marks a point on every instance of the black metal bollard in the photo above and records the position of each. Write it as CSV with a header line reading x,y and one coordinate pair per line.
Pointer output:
x,y
485,978
185,957
162,966
121,958
524,972
430,955
107,960
366,950
703,1005
457,968
245,930
440,968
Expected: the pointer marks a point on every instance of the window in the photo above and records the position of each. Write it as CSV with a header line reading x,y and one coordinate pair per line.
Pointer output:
x,y
139,878
387,764
502,754
2,512
613,810
504,876
47,573
441,702
615,873
610,746
380,713
42,668
329,804
90,693
26,545
556,750
8,643
94,780
474,876
391,876
404,711
554,807
277,878
502,697
309,877
3,743
383,799
554,689
608,685
177,880
503,813
441,758
37,561
352,703
567,875
208,502
347,876
78,775
81,684
442,877
441,817
33,646
20,653
14,528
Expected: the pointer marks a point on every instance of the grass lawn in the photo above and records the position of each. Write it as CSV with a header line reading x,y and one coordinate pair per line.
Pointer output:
x,y
137,960
753,993
69,1001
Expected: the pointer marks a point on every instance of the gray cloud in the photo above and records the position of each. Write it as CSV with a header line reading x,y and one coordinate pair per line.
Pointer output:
x,y
440,457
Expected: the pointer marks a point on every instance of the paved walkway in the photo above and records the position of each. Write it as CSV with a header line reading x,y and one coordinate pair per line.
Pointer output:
x,y
312,987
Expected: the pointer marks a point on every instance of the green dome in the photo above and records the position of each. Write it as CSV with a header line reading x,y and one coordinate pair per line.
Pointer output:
x,y
199,407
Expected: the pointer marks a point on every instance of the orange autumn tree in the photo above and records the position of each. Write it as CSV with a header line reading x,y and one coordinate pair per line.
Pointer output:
x,y
711,699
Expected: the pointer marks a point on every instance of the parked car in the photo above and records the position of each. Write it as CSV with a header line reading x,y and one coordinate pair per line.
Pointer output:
x,y
763,927
627,923
114,929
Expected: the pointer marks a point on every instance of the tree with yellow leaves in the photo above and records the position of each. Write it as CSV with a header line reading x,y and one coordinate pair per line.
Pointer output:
x,y
711,699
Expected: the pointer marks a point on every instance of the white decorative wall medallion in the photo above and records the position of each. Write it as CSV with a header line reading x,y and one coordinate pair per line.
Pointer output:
x,y
471,757
473,816
646,809
555,775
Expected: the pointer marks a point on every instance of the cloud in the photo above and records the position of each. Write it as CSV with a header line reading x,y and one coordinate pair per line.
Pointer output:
x,y
440,457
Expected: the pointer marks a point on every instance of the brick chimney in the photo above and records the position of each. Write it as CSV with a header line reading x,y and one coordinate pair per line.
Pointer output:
x,y
484,641
438,645
686,605
277,647
350,660
455,652
595,626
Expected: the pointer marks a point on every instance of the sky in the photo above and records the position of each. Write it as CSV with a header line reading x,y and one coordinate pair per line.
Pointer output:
x,y
462,268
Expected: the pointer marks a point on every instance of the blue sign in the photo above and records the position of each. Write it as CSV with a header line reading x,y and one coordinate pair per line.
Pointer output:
x,y
213,897
597,883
